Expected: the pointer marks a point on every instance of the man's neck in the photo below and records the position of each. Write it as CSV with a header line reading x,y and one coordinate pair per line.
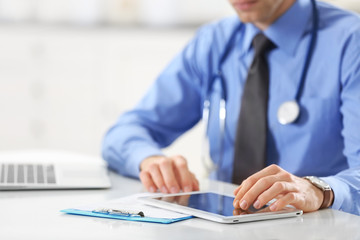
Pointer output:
x,y
264,24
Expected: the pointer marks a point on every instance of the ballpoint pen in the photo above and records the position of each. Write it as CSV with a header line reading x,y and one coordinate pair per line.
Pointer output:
x,y
124,213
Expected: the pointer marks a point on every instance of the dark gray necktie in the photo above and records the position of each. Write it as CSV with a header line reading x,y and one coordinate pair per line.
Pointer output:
x,y
250,143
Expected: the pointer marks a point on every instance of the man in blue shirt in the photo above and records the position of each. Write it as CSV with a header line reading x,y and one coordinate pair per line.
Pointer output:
x,y
324,142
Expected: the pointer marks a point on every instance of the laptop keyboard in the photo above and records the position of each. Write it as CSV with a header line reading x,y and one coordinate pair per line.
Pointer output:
x,y
24,174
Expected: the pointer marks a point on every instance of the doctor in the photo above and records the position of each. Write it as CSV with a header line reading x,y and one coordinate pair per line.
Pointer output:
x,y
288,75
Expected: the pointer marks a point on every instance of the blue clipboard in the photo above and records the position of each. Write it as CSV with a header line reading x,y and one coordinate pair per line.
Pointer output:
x,y
119,217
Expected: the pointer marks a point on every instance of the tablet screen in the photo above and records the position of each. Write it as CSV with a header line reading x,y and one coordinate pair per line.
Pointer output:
x,y
210,202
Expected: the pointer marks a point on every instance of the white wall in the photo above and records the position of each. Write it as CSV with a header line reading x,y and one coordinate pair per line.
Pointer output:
x,y
62,88
353,5
89,12
67,71
145,12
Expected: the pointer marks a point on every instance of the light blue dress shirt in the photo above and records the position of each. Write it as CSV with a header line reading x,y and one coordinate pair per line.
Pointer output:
x,y
325,141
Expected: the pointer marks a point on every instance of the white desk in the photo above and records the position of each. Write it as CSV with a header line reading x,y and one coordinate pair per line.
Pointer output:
x,y
21,217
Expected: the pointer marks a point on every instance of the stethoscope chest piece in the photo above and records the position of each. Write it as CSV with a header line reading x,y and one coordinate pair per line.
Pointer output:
x,y
288,112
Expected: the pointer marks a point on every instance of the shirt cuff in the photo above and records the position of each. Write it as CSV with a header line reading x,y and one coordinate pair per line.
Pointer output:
x,y
133,166
340,190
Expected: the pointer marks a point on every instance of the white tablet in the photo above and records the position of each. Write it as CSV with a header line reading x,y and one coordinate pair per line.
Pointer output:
x,y
215,207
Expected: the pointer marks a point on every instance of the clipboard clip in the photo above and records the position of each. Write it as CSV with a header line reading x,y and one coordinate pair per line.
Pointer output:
x,y
118,212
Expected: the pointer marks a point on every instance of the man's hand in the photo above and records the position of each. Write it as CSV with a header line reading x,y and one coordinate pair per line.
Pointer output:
x,y
168,174
274,182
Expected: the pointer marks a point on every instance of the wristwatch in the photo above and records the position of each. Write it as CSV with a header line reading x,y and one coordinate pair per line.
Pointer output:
x,y
325,188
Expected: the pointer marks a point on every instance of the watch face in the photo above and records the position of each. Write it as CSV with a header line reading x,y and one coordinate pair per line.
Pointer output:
x,y
318,182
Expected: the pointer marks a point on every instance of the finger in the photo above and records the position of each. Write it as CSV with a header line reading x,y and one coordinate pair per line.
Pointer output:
x,y
184,200
183,174
289,198
270,170
169,199
236,211
247,184
277,190
263,210
147,181
157,178
167,172
196,184
245,187
244,199
258,188
237,190
279,196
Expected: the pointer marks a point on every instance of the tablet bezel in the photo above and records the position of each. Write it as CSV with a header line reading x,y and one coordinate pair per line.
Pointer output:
x,y
151,200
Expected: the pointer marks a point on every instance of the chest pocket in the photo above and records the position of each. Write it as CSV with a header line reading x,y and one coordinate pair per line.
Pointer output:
x,y
317,131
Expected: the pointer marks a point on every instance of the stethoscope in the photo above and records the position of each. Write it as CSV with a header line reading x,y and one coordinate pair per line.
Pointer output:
x,y
288,111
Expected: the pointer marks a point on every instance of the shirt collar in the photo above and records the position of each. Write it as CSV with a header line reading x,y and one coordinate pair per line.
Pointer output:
x,y
246,44
286,31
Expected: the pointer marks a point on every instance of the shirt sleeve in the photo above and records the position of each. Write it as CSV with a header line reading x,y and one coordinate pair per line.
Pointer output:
x,y
171,106
346,184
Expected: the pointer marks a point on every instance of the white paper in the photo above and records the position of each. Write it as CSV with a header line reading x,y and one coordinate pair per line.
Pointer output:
x,y
131,204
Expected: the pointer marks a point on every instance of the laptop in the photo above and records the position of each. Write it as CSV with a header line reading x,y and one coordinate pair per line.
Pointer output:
x,y
47,169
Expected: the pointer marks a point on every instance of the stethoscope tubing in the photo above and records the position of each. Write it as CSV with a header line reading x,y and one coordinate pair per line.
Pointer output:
x,y
310,52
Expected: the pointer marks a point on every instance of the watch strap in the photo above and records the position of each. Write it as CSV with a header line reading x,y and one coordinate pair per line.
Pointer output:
x,y
327,191
327,198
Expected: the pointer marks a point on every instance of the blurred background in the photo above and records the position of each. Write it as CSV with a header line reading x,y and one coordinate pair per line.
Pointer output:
x,y
69,68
